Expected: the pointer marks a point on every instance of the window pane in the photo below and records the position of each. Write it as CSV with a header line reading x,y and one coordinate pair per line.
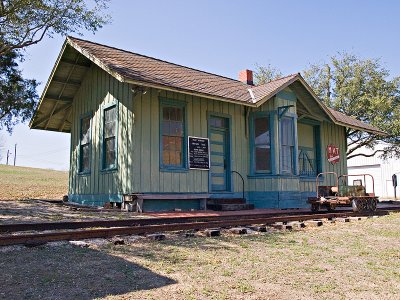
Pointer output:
x,y
110,114
176,128
262,141
287,143
178,157
109,152
172,128
287,132
166,113
261,131
173,116
263,158
85,159
109,129
166,157
85,130
179,114
175,158
178,143
217,122
165,143
287,159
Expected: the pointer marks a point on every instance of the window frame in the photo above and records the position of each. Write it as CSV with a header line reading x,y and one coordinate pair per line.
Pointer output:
x,y
294,155
114,166
317,146
167,102
79,160
253,116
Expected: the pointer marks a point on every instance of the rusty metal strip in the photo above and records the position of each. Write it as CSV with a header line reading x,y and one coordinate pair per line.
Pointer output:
x,y
146,229
17,227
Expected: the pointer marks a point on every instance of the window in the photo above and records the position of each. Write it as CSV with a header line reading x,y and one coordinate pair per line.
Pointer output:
x,y
172,135
287,145
109,137
84,145
309,150
261,139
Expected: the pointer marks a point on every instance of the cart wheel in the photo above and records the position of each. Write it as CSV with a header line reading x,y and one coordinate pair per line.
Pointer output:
x,y
315,207
373,205
331,207
355,205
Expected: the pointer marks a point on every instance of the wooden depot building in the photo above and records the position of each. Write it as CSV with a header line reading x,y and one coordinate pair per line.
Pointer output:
x,y
143,128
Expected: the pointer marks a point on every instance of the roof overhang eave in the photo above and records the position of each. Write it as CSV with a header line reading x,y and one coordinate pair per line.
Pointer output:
x,y
48,84
121,78
187,92
377,132
276,91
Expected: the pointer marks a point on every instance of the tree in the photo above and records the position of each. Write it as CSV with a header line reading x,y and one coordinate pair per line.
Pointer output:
x,y
24,23
1,146
264,74
27,22
18,96
363,89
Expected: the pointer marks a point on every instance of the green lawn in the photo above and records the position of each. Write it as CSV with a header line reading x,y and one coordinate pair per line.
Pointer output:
x,y
17,183
357,260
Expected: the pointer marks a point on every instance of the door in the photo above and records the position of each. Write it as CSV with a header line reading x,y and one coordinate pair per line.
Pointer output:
x,y
220,156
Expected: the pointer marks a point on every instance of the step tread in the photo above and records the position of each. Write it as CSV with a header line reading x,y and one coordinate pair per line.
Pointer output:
x,y
226,201
226,207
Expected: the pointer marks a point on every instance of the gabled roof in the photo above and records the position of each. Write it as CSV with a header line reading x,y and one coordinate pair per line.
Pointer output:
x,y
351,122
54,109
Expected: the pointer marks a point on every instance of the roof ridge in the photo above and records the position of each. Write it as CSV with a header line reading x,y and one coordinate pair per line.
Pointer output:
x,y
280,78
161,60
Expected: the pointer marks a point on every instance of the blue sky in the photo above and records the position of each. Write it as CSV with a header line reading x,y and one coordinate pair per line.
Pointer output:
x,y
222,37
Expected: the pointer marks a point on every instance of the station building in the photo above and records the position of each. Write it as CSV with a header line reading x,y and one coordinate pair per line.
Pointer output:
x,y
175,136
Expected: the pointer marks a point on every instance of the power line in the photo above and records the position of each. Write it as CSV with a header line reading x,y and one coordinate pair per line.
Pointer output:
x,y
47,152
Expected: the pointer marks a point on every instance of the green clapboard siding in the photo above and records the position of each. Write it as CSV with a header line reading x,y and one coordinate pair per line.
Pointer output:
x,y
138,135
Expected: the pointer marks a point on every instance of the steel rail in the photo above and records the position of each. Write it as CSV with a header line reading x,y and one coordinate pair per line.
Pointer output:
x,y
44,237
18,227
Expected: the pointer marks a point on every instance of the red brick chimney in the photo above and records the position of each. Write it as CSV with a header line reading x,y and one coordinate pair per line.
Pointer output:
x,y
246,76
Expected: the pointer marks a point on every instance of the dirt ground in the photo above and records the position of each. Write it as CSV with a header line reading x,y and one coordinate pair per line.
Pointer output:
x,y
357,260
41,211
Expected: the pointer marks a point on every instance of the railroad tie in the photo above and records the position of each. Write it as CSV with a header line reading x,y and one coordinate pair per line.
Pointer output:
x,y
212,232
238,230
296,224
258,228
314,223
156,236
282,226
343,220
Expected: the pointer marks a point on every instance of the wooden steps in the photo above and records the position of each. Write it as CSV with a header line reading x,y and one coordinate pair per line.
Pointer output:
x,y
229,204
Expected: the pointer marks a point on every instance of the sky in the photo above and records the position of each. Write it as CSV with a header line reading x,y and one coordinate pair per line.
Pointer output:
x,y
221,37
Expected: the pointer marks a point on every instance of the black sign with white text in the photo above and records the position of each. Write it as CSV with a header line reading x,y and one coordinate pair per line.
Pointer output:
x,y
199,153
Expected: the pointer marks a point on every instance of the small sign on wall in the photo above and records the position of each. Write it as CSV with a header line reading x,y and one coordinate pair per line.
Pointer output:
x,y
199,153
332,153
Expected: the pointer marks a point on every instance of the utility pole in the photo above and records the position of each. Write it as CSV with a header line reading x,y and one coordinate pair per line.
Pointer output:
x,y
15,153
8,154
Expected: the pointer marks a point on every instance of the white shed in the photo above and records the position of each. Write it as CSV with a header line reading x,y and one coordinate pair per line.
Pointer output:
x,y
381,170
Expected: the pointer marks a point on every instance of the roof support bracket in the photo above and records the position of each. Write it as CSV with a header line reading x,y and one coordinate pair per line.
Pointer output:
x,y
282,110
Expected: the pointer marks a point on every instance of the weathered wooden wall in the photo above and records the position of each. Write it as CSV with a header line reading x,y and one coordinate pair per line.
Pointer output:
x,y
139,145
97,90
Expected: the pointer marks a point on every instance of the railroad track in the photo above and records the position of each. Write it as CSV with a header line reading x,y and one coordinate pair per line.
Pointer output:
x,y
74,231
17,227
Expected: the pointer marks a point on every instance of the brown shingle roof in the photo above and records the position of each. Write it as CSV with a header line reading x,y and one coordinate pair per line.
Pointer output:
x,y
140,69
271,88
136,67
352,122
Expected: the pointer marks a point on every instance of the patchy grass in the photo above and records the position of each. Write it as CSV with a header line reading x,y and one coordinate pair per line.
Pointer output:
x,y
357,260
18,183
